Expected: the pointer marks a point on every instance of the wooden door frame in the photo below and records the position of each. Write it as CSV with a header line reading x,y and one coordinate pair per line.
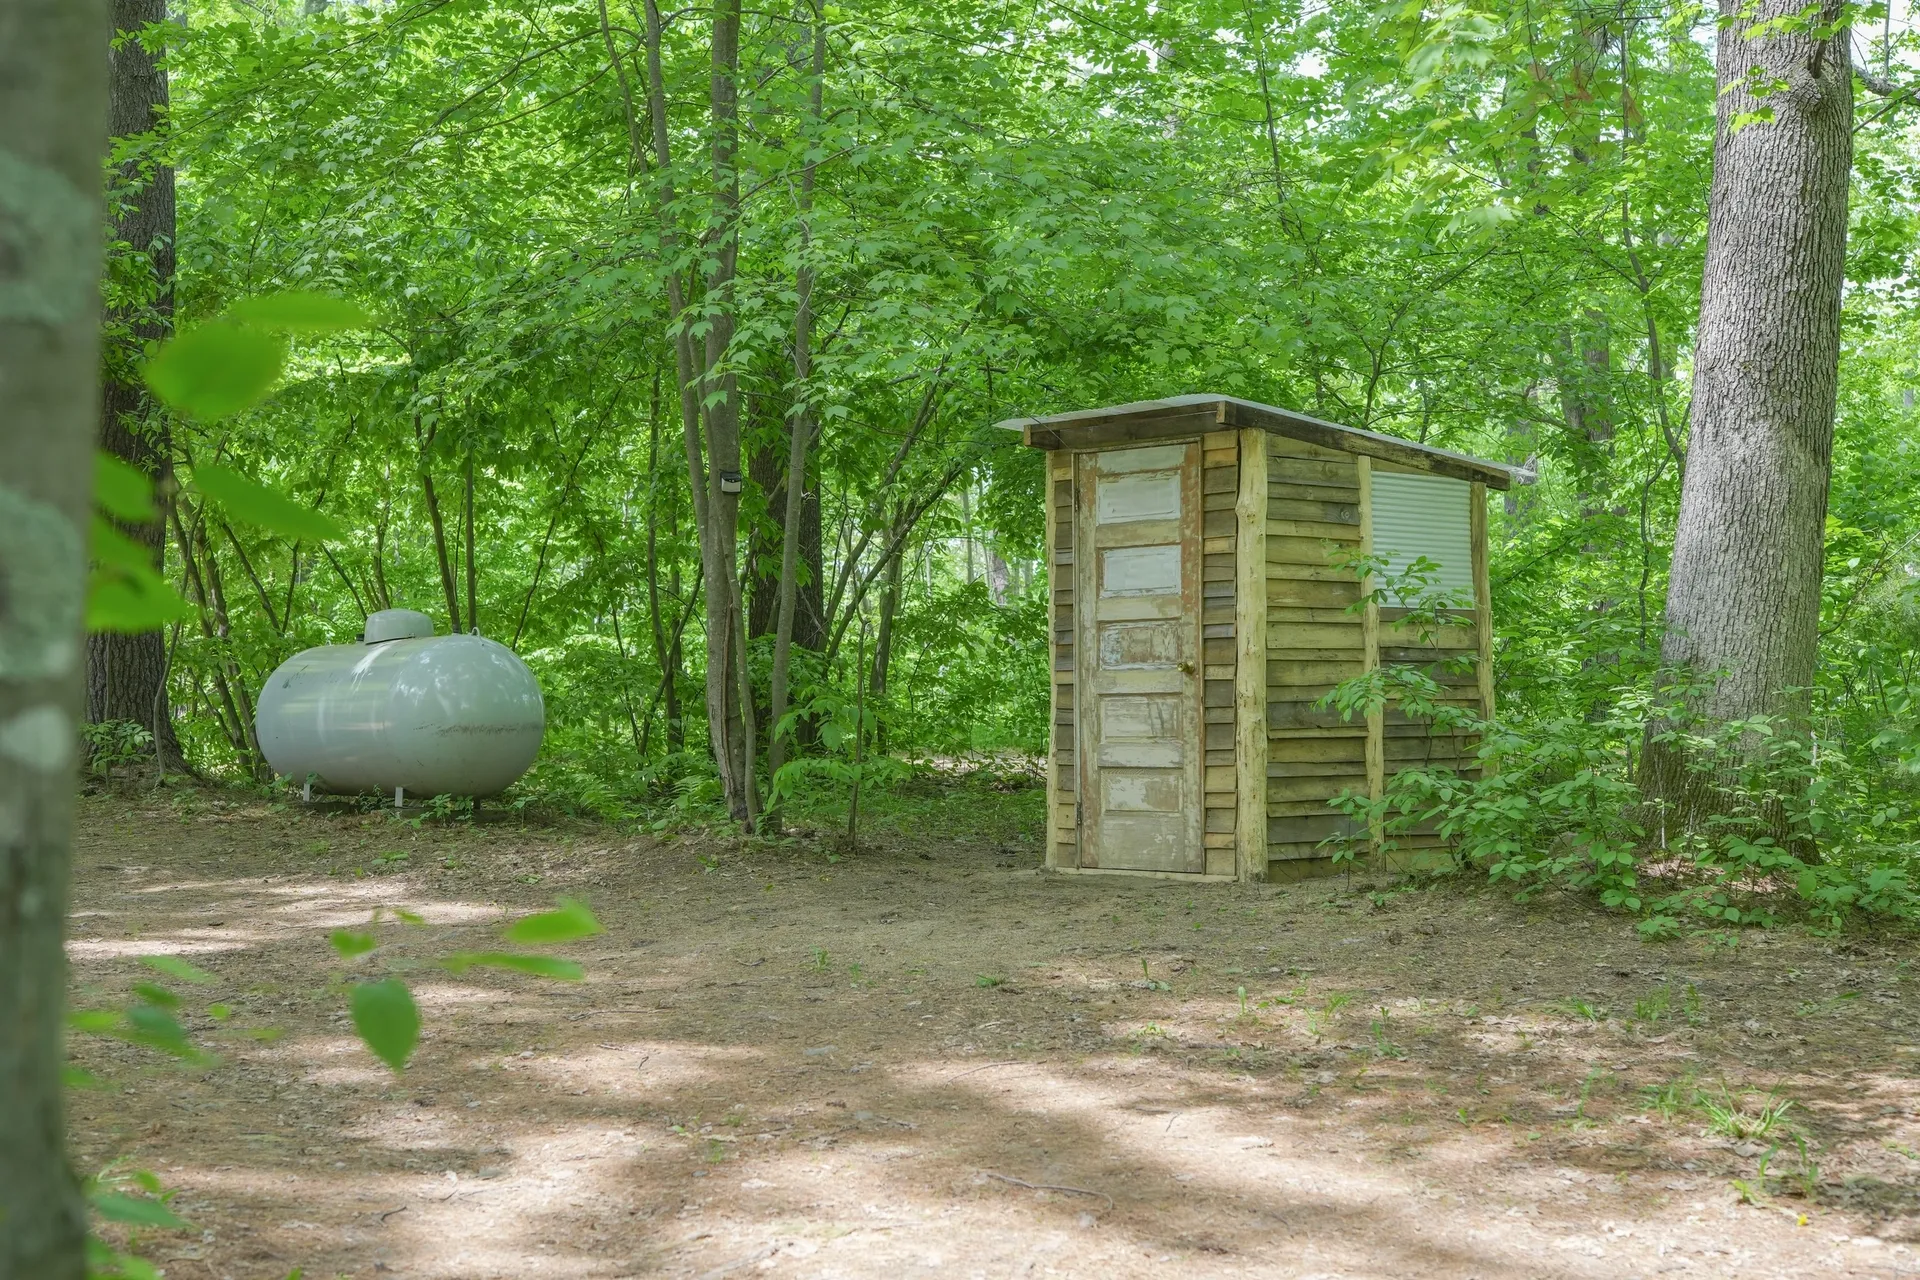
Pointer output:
x,y
1086,591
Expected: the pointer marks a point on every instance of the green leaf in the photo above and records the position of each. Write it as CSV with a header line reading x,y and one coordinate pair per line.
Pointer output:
x,y
154,1026
216,370
175,967
300,312
539,966
121,490
350,944
387,1019
131,599
106,545
568,924
156,995
138,1211
104,1262
256,504
96,1022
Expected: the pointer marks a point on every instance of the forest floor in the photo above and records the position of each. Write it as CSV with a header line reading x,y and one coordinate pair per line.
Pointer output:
x,y
931,1059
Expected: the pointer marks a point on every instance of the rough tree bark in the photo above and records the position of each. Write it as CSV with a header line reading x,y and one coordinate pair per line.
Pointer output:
x,y
1744,594
53,97
127,674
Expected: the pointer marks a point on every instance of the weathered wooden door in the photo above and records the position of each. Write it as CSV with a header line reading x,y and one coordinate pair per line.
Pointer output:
x,y
1138,659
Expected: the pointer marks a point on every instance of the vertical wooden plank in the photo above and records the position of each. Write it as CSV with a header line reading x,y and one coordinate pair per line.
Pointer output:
x,y
1060,830
1250,654
1054,793
1193,725
1370,643
1086,605
1482,594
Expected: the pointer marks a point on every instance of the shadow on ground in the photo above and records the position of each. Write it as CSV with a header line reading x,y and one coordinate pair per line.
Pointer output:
x,y
932,1060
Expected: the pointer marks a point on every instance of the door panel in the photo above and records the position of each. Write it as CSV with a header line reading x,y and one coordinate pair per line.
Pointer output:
x,y
1135,718
1152,496
1139,637
1140,646
1140,571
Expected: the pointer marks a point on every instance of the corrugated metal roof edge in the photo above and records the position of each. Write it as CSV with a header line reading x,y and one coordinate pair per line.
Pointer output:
x,y
1236,412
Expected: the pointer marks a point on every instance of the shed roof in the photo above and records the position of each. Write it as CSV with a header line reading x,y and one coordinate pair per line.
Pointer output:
x,y
1180,415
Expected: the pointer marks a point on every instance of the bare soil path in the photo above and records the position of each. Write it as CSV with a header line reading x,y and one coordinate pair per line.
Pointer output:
x,y
933,1060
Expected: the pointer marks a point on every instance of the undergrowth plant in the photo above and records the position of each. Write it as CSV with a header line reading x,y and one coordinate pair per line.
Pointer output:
x,y
1797,824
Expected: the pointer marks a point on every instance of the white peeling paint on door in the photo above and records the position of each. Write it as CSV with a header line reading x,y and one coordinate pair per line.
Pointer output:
x,y
1140,571
1140,646
1153,496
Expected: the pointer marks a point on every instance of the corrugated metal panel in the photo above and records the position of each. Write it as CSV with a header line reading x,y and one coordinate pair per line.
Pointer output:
x,y
1425,515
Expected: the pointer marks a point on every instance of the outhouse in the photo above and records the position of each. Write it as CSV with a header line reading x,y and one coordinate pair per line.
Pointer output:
x,y
1204,600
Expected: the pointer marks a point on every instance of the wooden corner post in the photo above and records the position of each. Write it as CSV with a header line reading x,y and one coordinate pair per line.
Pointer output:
x,y
1482,595
1370,646
1250,659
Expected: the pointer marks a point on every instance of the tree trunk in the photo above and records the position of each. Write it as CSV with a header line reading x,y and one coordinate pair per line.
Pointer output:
x,y
966,526
235,679
715,515
793,498
227,712
1583,371
53,96
765,470
726,715
670,676
810,616
1743,600
382,597
127,674
883,647
473,573
440,545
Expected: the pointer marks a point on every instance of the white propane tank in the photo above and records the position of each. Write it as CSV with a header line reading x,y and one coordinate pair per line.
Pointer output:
x,y
437,715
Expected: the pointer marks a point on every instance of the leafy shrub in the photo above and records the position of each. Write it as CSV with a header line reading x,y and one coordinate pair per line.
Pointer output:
x,y
1554,804
112,743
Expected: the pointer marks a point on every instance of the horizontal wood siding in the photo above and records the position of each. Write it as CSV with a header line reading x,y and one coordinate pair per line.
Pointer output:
x,y
1449,653
1314,640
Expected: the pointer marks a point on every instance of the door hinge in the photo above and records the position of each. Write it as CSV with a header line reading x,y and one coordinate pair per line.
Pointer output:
x,y
1079,813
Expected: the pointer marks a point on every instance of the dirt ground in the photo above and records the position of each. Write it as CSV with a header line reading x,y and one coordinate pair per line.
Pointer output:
x,y
932,1059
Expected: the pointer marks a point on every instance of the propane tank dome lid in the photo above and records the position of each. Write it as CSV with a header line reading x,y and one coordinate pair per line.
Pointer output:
x,y
397,624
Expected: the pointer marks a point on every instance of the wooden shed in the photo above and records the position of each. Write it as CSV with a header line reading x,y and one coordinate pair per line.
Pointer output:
x,y
1201,608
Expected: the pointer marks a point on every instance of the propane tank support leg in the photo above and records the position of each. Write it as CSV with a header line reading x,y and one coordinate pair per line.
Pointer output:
x,y
399,797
